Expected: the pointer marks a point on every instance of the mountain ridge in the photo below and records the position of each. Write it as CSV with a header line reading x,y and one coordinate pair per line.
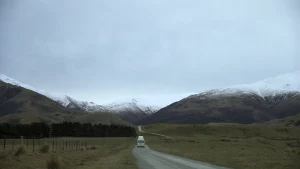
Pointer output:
x,y
257,102
70,102
130,111
266,87
19,105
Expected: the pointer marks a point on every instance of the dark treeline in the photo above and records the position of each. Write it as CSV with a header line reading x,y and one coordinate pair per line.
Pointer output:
x,y
75,129
65,129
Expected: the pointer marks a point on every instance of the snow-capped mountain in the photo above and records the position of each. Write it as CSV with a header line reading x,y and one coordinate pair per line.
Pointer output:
x,y
282,84
131,111
64,100
69,102
131,106
268,99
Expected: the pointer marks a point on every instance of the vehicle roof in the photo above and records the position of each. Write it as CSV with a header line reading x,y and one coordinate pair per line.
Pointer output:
x,y
141,138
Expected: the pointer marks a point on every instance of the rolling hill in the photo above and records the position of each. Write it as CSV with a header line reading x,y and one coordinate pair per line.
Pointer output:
x,y
269,99
287,121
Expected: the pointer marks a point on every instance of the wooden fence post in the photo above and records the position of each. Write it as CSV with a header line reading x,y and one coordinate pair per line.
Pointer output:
x,y
22,140
33,144
53,144
56,144
4,142
13,145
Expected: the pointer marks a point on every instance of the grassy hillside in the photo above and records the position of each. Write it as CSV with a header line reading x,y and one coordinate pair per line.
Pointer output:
x,y
287,121
19,105
231,145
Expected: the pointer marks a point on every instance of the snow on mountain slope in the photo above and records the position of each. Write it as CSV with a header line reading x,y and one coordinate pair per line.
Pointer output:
x,y
69,102
54,96
64,100
132,106
289,82
285,83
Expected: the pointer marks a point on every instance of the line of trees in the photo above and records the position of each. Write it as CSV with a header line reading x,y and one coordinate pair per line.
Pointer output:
x,y
65,129
75,129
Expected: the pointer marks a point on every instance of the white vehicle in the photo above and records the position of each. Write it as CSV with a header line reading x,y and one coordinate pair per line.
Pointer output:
x,y
141,141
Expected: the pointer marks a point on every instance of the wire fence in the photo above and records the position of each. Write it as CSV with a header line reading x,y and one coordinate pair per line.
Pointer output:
x,y
54,144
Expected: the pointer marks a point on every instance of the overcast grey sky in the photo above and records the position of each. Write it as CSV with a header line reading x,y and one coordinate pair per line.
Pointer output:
x,y
156,51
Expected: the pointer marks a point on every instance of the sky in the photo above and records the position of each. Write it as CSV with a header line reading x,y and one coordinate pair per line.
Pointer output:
x,y
156,52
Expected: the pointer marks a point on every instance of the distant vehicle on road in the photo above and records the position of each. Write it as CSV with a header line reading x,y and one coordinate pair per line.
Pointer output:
x,y
141,141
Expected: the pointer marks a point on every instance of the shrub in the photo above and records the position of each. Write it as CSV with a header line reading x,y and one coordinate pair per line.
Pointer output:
x,y
20,151
54,163
45,149
93,148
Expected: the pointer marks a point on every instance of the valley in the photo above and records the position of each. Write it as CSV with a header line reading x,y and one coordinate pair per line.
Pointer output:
x,y
233,127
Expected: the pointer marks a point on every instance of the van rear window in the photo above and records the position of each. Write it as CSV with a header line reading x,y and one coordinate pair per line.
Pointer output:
x,y
141,141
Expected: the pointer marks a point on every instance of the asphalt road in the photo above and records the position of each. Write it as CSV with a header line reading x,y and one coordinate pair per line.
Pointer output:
x,y
150,159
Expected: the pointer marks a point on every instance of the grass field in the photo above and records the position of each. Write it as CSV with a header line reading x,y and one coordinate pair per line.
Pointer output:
x,y
110,153
231,145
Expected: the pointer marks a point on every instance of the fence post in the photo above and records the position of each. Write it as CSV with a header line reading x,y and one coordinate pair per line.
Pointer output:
x,y
13,145
4,142
53,144
33,144
22,141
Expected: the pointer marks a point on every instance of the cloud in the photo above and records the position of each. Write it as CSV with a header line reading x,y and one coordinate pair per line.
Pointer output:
x,y
126,49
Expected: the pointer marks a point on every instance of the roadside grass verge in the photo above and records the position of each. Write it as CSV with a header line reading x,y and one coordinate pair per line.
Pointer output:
x,y
230,145
111,153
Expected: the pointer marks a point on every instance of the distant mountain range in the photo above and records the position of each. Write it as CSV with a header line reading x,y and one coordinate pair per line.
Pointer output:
x,y
129,111
274,99
265,100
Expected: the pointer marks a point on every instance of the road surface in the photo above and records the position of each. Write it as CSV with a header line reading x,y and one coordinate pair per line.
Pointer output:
x,y
150,159
164,136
